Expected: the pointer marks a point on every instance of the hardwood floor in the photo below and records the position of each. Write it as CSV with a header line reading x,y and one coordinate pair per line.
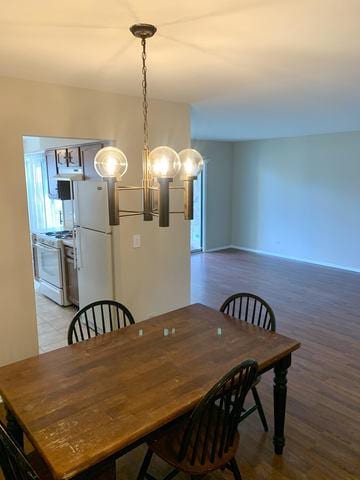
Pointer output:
x,y
321,308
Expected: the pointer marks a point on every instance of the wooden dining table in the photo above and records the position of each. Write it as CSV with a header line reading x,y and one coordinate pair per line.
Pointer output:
x,y
83,404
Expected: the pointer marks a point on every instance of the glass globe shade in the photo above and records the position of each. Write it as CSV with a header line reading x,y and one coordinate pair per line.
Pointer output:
x,y
110,162
164,162
191,163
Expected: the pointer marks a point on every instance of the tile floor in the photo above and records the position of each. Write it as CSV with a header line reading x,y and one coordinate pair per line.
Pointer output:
x,y
53,322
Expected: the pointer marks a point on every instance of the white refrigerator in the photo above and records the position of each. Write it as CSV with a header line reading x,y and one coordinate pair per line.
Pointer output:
x,y
93,242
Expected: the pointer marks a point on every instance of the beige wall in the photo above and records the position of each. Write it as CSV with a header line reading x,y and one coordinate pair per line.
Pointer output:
x,y
293,197
151,279
299,198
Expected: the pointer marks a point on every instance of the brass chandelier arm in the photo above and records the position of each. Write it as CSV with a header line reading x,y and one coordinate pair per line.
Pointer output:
x,y
156,212
134,214
139,212
152,212
155,189
130,215
170,188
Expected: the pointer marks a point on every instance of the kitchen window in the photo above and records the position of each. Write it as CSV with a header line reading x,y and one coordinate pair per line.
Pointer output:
x,y
44,213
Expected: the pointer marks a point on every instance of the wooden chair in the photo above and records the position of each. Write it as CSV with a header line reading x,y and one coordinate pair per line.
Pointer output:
x,y
206,440
15,465
254,310
98,318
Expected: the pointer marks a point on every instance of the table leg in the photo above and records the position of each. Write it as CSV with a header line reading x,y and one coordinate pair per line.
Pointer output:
x,y
280,389
14,428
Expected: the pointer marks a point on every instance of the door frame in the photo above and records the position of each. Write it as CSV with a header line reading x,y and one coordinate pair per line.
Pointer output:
x,y
202,220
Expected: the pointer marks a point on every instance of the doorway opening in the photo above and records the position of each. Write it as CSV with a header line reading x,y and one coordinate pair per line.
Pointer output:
x,y
197,223
51,167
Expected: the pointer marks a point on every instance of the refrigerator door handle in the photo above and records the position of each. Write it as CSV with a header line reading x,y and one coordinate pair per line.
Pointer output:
x,y
77,250
72,188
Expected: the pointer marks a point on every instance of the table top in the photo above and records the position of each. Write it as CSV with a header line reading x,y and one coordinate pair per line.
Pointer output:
x,y
82,403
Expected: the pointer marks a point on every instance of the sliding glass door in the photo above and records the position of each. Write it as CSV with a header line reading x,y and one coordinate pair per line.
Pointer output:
x,y
197,223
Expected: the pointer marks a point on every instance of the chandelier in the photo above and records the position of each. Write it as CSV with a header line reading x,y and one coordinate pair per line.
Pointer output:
x,y
160,165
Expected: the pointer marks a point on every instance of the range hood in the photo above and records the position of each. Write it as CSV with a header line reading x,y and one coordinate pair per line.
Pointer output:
x,y
65,185
70,176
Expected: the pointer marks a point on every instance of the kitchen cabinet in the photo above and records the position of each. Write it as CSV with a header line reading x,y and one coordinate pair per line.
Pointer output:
x,y
73,157
88,153
51,168
68,157
70,160
61,158
71,277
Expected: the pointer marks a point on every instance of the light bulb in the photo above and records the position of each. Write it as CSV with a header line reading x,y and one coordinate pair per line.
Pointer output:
x,y
191,163
164,162
110,162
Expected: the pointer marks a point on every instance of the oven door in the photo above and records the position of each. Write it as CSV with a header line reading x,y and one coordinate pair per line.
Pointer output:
x,y
49,261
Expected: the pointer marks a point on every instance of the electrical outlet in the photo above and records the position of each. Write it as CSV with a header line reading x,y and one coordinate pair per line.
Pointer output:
x,y
136,241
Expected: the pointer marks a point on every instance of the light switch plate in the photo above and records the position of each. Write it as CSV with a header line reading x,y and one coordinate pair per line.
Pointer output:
x,y
136,241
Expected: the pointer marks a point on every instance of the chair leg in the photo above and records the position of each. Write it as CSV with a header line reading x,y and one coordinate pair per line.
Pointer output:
x,y
260,408
172,474
145,465
235,469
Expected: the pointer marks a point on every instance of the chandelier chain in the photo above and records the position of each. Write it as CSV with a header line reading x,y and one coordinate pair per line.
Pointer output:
x,y
144,89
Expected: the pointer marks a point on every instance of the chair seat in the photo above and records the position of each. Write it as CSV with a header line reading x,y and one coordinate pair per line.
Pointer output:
x,y
106,471
166,444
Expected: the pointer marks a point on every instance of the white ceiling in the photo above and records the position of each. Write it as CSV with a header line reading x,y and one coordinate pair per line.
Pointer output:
x,y
250,68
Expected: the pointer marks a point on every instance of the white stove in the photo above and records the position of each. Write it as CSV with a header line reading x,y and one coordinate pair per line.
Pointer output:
x,y
53,239
51,264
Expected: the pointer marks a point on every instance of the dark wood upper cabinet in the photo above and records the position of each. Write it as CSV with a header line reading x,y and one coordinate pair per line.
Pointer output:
x,y
51,166
61,157
73,157
68,157
88,153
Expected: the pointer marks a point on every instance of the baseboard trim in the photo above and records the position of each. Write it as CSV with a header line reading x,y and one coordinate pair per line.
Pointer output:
x,y
285,257
297,259
218,249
